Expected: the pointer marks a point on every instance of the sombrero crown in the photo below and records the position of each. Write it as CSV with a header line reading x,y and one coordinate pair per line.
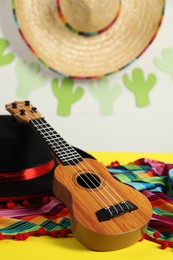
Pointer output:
x,y
88,38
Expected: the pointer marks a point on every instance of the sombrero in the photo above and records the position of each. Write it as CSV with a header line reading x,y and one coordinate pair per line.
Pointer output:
x,y
26,164
88,38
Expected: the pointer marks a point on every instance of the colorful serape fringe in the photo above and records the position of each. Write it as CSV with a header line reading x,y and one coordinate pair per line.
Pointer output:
x,y
49,216
44,216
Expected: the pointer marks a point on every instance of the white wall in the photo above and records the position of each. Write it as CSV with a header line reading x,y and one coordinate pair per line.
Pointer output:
x,y
128,127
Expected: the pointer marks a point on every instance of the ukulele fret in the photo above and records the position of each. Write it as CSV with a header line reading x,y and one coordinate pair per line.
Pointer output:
x,y
65,152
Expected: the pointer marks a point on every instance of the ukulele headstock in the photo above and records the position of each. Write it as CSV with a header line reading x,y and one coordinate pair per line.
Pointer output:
x,y
23,111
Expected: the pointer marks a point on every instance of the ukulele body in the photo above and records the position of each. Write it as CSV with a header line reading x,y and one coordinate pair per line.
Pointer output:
x,y
121,231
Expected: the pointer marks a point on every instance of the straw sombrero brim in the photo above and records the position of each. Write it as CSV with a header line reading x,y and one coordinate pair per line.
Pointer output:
x,y
85,57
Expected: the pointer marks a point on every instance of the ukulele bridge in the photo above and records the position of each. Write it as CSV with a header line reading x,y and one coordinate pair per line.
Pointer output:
x,y
115,210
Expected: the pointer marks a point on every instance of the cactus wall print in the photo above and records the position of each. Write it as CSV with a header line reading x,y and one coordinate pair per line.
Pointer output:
x,y
5,58
29,78
66,95
105,94
140,86
165,61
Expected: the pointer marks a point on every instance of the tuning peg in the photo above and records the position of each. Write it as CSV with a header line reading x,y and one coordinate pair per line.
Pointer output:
x,y
27,103
14,105
22,112
34,109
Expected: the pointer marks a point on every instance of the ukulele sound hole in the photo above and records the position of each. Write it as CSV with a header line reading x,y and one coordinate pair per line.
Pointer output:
x,y
88,180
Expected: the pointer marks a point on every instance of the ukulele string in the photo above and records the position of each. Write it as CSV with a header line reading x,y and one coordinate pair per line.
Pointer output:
x,y
86,168
93,170
32,117
62,144
81,163
94,193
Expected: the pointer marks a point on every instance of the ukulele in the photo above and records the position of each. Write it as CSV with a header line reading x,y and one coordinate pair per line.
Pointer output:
x,y
105,214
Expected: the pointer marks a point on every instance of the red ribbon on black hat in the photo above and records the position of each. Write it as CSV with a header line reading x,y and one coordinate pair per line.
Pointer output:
x,y
27,174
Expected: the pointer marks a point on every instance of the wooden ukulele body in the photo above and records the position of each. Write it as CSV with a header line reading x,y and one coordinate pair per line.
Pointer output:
x,y
118,232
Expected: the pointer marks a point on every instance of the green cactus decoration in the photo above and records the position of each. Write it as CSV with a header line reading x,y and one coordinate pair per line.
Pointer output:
x,y
105,94
140,86
165,63
5,59
29,78
66,95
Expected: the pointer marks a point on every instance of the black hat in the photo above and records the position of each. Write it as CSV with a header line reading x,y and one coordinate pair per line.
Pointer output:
x,y
26,164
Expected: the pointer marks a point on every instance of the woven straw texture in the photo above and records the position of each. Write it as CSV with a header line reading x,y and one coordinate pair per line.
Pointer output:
x,y
89,16
72,54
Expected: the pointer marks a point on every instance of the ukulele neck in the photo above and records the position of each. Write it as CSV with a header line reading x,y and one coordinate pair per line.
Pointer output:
x,y
60,148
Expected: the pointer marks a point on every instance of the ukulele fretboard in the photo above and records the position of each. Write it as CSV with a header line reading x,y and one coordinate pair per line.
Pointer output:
x,y
61,149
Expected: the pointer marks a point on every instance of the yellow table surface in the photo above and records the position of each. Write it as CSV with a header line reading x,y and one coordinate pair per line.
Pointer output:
x,y
68,248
